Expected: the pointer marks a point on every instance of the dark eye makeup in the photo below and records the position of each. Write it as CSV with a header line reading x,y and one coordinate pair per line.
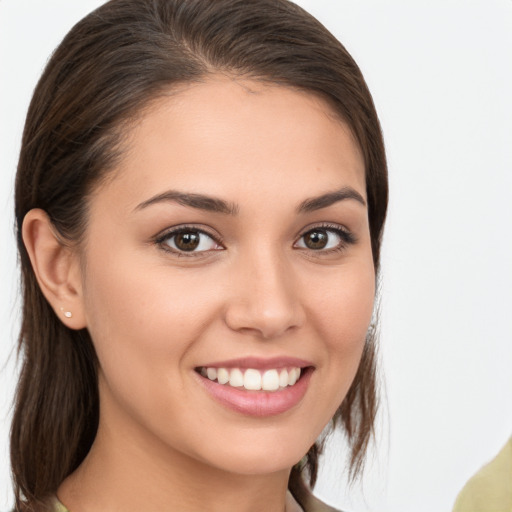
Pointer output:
x,y
193,241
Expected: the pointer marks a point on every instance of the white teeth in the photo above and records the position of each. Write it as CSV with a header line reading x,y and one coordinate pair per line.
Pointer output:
x,y
253,380
293,376
222,376
270,380
236,378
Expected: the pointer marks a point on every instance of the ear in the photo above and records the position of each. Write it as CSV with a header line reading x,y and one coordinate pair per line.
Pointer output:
x,y
56,267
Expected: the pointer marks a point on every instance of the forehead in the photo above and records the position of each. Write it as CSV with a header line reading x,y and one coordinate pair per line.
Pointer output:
x,y
227,136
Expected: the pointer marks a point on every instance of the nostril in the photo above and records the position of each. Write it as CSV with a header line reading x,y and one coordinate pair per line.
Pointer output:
x,y
262,324
265,302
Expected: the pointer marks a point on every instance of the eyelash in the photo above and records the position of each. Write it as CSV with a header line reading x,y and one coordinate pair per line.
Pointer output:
x,y
345,236
160,240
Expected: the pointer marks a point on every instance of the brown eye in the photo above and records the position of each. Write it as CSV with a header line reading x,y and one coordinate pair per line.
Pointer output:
x,y
316,239
325,239
187,241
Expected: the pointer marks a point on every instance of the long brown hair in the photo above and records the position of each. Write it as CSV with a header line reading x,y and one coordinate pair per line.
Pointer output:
x,y
101,77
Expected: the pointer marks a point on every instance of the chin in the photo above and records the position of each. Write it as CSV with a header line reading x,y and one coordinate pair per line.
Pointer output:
x,y
259,458
260,465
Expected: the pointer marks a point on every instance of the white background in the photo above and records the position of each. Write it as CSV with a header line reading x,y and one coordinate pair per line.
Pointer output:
x,y
441,76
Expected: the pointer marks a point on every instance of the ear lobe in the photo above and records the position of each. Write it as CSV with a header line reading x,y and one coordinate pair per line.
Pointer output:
x,y
56,267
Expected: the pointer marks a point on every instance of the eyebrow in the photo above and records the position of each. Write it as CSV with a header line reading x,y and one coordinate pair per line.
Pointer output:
x,y
317,203
216,205
199,201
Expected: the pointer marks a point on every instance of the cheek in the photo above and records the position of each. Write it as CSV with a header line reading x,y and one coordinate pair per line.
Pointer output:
x,y
142,316
144,323
343,310
342,315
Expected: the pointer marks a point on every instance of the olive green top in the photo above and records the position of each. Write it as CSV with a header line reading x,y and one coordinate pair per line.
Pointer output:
x,y
490,490
59,507
313,505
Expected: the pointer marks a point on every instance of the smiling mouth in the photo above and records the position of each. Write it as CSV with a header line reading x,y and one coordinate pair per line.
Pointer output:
x,y
252,379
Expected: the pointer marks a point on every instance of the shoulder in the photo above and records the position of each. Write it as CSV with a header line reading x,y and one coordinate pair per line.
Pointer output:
x,y
489,489
305,497
305,501
59,507
49,504
313,504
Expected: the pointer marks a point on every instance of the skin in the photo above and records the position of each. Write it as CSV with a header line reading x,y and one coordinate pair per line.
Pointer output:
x,y
154,316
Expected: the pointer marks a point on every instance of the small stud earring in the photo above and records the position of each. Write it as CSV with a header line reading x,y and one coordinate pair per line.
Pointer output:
x,y
67,314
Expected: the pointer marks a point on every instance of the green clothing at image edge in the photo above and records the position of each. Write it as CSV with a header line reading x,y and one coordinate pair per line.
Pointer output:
x,y
490,490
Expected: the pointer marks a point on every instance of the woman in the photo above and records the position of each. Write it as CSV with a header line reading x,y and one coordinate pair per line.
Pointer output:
x,y
200,200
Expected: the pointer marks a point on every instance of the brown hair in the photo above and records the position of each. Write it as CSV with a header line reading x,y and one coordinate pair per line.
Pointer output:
x,y
106,70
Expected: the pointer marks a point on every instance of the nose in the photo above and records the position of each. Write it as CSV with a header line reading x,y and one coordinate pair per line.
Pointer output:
x,y
265,301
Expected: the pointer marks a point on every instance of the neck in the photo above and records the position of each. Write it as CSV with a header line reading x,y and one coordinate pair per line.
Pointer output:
x,y
119,474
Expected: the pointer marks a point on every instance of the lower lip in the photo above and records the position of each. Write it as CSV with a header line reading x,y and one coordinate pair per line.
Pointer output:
x,y
258,403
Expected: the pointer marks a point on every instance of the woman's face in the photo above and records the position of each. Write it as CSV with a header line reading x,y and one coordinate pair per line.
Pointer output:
x,y
231,243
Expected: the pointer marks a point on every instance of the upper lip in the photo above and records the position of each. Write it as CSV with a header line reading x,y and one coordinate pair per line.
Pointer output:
x,y
260,363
